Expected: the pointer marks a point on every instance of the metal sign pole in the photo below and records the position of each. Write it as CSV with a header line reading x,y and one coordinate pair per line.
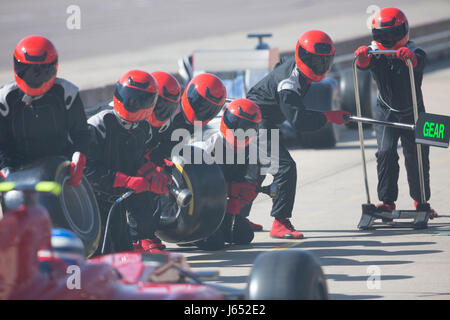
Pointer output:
x,y
419,147
360,129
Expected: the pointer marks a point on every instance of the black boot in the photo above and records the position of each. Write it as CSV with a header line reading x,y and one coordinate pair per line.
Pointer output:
x,y
214,242
242,232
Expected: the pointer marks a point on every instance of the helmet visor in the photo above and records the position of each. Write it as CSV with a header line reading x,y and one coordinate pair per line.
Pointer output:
x,y
134,99
388,37
318,63
35,75
234,122
204,109
164,108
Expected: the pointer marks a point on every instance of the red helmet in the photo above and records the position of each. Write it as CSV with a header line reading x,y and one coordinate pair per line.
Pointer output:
x,y
390,29
240,114
203,98
169,96
35,65
135,95
314,54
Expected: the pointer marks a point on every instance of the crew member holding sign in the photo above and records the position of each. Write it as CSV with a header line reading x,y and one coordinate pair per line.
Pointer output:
x,y
390,31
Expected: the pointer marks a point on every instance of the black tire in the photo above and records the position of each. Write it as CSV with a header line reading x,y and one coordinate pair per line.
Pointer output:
x,y
75,208
204,215
286,275
366,94
321,96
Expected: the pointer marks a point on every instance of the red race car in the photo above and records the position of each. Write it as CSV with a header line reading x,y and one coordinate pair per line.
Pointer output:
x,y
26,272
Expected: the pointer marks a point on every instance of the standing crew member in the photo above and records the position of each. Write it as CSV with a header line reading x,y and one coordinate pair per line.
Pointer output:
x,y
390,31
117,162
41,115
280,97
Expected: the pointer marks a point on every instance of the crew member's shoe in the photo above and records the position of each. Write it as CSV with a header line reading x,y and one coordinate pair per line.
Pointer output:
x,y
242,232
433,214
383,207
283,228
153,245
254,226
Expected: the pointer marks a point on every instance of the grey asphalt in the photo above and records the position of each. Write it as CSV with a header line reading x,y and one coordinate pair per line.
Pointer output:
x,y
118,35
413,264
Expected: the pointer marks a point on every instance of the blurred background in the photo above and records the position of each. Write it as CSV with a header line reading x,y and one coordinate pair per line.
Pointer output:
x,y
99,40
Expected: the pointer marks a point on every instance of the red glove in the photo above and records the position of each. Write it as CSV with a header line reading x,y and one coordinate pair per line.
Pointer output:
x,y
156,177
242,190
336,117
234,205
363,56
159,181
405,54
138,184
76,169
168,163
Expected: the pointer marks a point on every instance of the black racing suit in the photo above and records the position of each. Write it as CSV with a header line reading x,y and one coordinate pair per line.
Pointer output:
x,y
114,148
394,103
280,97
53,124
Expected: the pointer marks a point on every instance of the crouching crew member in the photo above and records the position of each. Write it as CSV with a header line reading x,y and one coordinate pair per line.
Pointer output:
x,y
117,162
390,31
280,97
41,115
239,126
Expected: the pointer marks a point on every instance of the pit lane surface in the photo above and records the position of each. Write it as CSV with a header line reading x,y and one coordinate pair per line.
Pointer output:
x,y
413,264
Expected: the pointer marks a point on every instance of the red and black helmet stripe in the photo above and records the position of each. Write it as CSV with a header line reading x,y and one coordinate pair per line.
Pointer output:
x,y
203,108
134,99
171,96
234,122
388,37
318,63
35,75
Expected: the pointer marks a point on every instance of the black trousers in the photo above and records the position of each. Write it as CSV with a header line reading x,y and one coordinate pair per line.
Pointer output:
x,y
387,158
136,218
282,167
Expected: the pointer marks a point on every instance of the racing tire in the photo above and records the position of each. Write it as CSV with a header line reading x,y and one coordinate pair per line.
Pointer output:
x,y
203,216
367,93
321,96
75,208
287,275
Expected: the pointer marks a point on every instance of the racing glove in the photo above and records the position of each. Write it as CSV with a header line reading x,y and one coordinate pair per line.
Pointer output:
x,y
363,57
158,180
337,116
405,54
76,169
138,184
242,190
